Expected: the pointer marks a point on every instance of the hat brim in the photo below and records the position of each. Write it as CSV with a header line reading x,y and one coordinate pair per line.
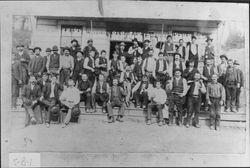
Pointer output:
x,y
224,57
37,48
74,41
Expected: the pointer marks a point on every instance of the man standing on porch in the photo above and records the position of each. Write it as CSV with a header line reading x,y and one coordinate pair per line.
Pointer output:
x,y
89,48
66,66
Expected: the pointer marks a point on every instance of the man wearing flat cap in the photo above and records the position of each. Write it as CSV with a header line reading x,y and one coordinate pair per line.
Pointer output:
x,y
24,58
239,89
66,66
193,51
88,48
37,64
74,48
145,49
53,61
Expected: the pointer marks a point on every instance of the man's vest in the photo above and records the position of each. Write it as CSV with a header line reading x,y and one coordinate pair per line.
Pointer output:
x,y
178,88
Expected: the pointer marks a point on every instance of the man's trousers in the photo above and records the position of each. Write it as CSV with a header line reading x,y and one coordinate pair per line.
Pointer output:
x,y
175,100
116,103
194,105
230,96
215,109
159,108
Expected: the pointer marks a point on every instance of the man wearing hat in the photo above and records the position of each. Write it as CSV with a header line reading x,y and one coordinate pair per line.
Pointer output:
x,y
145,49
209,50
232,82
169,48
30,96
90,47
192,51
48,53
241,79
37,64
53,61
78,68
74,48
178,88
50,97
122,51
116,99
31,52
85,88
100,93
134,51
138,69
222,67
24,58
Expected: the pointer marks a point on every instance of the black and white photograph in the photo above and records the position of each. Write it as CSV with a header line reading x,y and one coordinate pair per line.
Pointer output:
x,y
121,83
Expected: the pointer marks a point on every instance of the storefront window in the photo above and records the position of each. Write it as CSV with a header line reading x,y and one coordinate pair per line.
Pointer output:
x,y
70,32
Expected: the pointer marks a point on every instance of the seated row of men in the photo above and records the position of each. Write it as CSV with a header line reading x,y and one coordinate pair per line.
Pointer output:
x,y
53,97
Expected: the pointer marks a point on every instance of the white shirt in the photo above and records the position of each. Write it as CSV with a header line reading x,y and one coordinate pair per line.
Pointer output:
x,y
66,62
71,95
161,66
151,63
52,90
193,49
159,95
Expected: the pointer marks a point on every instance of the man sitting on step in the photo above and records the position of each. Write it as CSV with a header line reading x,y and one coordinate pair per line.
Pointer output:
x,y
100,93
158,98
84,87
117,95
70,99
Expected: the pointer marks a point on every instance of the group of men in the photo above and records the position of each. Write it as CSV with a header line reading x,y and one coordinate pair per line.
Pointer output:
x,y
57,83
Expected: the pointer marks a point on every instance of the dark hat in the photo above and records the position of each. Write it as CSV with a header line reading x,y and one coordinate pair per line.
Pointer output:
x,y
90,40
74,40
37,48
55,111
236,62
135,39
169,36
66,48
48,50
79,51
177,54
122,44
160,53
209,38
55,48
178,69
193,37
147,40
19,45
224,56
